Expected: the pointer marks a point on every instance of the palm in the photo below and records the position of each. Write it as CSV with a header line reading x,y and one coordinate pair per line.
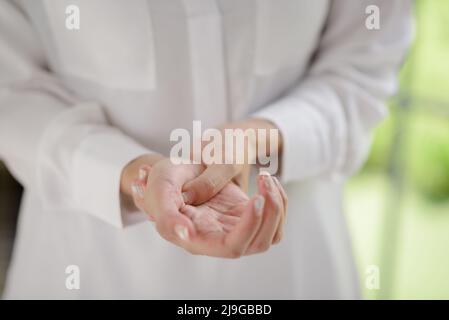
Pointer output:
x,y
218,227
219,214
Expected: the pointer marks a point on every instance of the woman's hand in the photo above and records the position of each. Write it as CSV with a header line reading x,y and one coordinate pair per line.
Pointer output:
x,y
223,217
227,225
217,175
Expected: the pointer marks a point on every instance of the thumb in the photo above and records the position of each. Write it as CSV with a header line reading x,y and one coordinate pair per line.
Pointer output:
x,y
208,183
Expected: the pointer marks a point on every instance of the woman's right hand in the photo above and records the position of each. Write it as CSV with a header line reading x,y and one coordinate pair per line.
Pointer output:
x,y
227,225
183,225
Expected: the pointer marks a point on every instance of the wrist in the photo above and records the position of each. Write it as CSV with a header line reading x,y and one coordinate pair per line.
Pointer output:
x,y
271,140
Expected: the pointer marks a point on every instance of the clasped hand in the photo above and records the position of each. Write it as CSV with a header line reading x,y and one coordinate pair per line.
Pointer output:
x,y
205,209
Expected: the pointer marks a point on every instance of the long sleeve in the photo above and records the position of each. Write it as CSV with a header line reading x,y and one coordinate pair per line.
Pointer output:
x,y
326,120
49,139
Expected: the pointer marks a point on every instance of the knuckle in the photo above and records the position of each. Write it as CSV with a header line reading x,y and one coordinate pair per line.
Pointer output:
x,y
278,238
147,206
165,236
139,204
191,251
159,227
163,231
261,246
207,187
234,253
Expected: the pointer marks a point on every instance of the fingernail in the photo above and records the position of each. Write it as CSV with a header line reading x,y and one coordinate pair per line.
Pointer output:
x,y
143,173
187,197
266,179
137,190
181,232
268,183
258,205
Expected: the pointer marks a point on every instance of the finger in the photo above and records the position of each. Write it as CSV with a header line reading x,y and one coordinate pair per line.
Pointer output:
x,y
280,231
144,172
238,240
282,192
271,215
234,243
208,183
138,189
176,228
165,207
138,194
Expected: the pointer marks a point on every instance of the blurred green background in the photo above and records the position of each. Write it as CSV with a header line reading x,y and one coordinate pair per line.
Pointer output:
x,y
398,205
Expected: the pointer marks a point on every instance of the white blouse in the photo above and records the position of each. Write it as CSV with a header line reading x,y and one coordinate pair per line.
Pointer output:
x,y
77,105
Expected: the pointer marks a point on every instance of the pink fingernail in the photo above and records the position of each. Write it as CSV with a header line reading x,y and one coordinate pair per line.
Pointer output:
x,y
267,181
143,173
258,205
265,177
137,190
182,232
187,197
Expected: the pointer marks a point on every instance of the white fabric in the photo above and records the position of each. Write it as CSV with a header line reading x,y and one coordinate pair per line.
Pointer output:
x,y
76,106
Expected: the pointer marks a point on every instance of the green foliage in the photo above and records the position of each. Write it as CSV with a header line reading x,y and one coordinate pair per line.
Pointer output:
x,y
424,79
381,144
426,73
427,155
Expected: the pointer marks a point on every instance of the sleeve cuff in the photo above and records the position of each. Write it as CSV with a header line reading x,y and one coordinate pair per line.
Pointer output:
x,y
97,165
304,153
